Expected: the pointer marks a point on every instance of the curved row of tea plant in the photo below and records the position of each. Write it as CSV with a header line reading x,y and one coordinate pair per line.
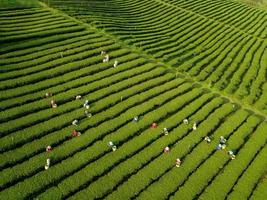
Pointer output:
x,y
195,44
70,64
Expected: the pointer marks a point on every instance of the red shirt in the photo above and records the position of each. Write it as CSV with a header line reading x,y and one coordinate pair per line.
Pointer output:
x,y
74,133
154,125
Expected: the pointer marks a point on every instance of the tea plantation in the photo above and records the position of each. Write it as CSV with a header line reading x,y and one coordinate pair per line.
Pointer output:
x,y
93,91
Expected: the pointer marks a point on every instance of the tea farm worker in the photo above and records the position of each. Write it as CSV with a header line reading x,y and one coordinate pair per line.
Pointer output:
x,y
232,155
165,131
75,122
115,63
207,139
88,114
218,147
166,149
110,143
195,126
185,121
154,125
222,140
135,119
48,148
178,162
103,53
112,146
75,133
106,58
47,164
48,94
78,97
86,104
53,103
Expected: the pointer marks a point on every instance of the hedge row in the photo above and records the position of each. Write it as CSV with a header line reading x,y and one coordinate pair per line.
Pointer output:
x,y
225,78
183,37
182,27
44,33
251,177
225,64
22,49
160,166
105,103
64,134
179,22
28,22
133,145
73,80
224,52
245,87
228,14
143,138
28,18
52,69
192,161
46,114
257,90
45,27
198,46
52,54
227,179
75,87
186,30
260,191
193,41
82,60
197,182
205,58
95,133
61,46
48,22
122,172
236,79
30,68
21,12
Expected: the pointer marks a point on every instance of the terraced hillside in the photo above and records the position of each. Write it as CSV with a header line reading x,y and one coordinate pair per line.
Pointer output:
x,y
221,43
175,62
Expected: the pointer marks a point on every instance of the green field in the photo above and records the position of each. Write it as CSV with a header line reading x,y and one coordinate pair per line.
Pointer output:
x,y
201,60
